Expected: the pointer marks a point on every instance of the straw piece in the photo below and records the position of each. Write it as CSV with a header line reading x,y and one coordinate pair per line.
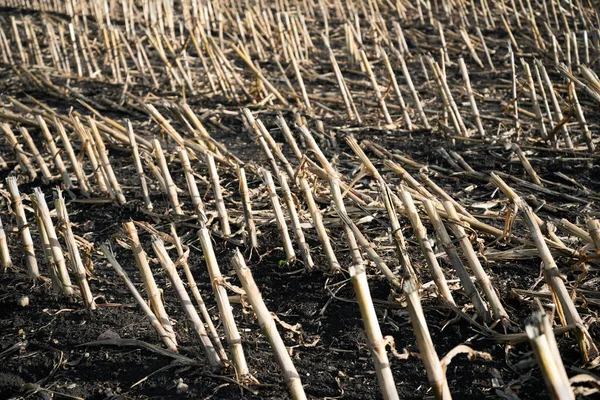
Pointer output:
x,y
426,247
567,310
247,207
170,185
373,332
483,280
24,161
23,226
295,221
267,325
234,340
433,366
183,257
84,186
191,183
74,255
541,336
138,166
186,303
154,296
455,261
55,154
46,174
105,163
164,335
279,218
4,253
43,214
317,218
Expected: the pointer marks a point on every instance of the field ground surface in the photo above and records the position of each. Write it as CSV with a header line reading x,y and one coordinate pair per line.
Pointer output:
x,y
412,186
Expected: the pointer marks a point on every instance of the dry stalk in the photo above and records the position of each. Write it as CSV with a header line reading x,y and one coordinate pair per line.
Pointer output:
x,y
155,173
276,149
543,342
167,264
366,245
289,136
74,256
154,296
536,105
86,143
574,230
485,49
105,163
594,228
426,248
232,334
467,39
60,165
474,109
247,207
295,221
587,136
46,174
57,284
566,307
260,75
218,193
413,91
315,212
191,183
558,115
23,226
172,132
24,161
183,256
199,128
346,95
526,165
375,85
373,330
169,184
44,215
164,335
268,326
455,261
334,186
433,366
514,77
441,193
279,217
394,82
268,145
4,253
138,166
447,98
253,123
405,176
482,278
84,186
301,83
386,194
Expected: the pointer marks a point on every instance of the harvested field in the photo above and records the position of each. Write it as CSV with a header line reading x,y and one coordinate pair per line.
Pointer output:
x,y
332,199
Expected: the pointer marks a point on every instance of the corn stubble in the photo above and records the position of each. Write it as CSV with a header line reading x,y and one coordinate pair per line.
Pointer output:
x,y
332,98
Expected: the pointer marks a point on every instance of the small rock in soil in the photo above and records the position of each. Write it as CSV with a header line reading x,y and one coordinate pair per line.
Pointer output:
x,y
181,387
23,301
108,335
